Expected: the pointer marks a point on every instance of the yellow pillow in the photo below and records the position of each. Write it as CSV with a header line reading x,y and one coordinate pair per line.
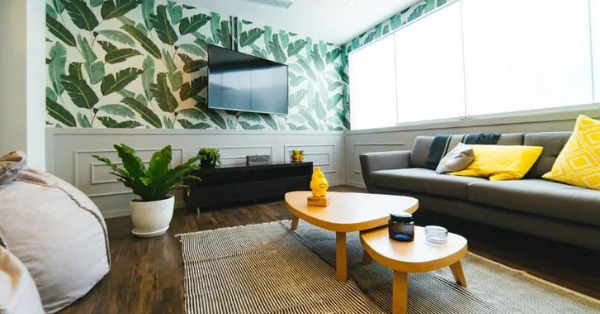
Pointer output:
x,y
579,161
499,162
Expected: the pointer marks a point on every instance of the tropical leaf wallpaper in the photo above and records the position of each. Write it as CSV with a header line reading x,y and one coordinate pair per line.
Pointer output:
x,y
406,16
142,64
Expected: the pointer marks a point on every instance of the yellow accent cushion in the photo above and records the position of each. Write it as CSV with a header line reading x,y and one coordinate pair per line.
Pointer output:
x,y
501,162
579,161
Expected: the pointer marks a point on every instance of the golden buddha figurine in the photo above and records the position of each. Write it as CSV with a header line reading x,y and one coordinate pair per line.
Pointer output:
x,y
319,186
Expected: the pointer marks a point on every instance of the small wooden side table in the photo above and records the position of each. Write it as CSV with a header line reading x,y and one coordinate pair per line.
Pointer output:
x,y
418,256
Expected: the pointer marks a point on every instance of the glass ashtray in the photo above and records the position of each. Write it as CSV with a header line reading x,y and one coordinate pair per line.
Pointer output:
x,y
436,234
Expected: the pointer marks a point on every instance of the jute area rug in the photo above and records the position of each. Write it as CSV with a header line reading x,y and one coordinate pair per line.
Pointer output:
x,y
267,268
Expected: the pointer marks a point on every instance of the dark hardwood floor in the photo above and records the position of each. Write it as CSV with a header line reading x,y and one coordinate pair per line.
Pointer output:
x,y
146,276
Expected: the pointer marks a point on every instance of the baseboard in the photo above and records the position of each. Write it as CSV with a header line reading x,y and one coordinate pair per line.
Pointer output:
x,y
356,184
337,183
115,213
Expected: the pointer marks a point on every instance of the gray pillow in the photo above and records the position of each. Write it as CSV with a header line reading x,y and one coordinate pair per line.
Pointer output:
x,y
457,159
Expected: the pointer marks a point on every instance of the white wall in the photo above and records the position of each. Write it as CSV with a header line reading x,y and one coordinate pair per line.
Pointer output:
x,y
69,154
22,85
402,138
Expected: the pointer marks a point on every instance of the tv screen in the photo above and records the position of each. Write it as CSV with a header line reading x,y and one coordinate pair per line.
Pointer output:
x,y
241,82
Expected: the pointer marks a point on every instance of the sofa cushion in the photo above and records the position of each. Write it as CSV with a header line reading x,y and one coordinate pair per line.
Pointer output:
x,y
501,162
579,161
421,180
511,139
420,151
422,145
457,159
540,197
553,143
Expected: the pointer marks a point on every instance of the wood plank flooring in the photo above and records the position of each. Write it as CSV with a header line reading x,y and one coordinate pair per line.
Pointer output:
x,y
147,275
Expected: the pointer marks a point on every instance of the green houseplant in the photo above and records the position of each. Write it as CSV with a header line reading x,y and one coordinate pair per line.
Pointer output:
x,y
152,213
209,157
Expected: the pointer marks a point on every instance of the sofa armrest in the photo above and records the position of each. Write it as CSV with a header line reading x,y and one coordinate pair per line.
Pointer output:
x,y
370,162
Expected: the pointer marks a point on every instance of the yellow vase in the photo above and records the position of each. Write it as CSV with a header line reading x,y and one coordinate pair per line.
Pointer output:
x,y
318,183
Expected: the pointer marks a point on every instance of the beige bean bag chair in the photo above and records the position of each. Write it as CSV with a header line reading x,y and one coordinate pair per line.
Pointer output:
x,y
18,294
54,229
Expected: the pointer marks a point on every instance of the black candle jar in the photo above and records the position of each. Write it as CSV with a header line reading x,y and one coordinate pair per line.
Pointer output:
x,y
401,227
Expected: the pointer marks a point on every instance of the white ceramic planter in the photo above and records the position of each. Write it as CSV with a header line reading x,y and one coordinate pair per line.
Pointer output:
x,y
151,219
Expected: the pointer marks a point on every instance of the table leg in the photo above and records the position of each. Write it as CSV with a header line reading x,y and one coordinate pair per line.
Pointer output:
x,y
366,258
294,224
458,273
341,259
400,293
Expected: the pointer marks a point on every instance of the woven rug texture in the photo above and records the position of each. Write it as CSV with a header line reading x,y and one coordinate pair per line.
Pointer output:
x,y
266,268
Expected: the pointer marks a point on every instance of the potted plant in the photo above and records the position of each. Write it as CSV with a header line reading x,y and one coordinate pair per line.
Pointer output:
x,y
152,212
209,157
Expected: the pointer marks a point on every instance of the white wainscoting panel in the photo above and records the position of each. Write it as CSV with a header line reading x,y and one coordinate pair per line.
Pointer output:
x,y
69,155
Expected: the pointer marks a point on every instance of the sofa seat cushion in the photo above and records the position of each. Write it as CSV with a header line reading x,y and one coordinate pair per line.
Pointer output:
x,y
540,197
422,180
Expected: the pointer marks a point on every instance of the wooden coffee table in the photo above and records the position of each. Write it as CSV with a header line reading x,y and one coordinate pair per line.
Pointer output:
x,y
348,212
417,256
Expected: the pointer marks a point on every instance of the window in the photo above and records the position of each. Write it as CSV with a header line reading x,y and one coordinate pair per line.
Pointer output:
x,y
373,88
479,57
595,35
429,68
533,57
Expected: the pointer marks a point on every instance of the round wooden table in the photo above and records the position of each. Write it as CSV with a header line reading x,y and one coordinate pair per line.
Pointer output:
x,y
417,256
348,212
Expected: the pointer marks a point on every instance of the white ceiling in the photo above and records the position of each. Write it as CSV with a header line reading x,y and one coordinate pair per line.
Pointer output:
x,y
334,21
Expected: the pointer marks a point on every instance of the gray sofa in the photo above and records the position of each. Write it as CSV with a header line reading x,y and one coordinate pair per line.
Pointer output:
x,y
532,205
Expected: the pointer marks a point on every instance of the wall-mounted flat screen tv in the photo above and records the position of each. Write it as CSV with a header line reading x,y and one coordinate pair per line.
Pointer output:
x,y
242,82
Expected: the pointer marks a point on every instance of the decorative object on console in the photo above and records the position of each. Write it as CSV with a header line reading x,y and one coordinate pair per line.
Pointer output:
x,y
55,230
501,162
457,159
401,227
258,160
297,155
579,161
209,157
319,186
151,215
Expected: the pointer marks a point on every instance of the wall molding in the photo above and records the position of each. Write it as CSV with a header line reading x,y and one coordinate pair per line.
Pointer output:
x,y
330,155
69,153
76,173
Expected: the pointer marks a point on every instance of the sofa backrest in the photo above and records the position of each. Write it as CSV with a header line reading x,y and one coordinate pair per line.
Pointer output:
x,y
420,150
553,143
422,145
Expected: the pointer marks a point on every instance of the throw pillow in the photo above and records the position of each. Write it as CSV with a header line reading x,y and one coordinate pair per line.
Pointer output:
x,y
457,159
501,162
579,161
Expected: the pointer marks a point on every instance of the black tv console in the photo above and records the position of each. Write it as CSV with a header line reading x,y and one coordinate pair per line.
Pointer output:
x,y
229,185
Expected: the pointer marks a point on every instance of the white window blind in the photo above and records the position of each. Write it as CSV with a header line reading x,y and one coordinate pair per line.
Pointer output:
x,y
595,35
429,67
373,87
479,57
524,55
